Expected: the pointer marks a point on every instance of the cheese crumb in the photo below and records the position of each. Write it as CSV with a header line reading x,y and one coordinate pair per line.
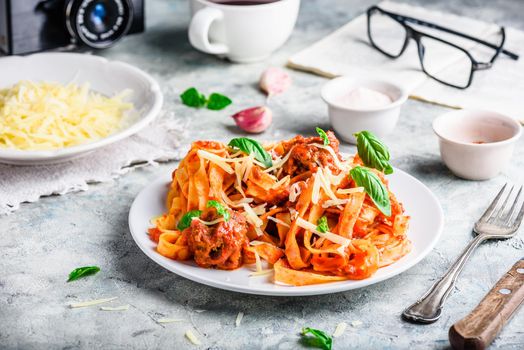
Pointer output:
x,y
341,327
356,323
192,338
239,318
91,302
116,308
169,320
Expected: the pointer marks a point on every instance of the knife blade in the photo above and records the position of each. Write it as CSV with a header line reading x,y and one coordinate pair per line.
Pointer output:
x,y
478,329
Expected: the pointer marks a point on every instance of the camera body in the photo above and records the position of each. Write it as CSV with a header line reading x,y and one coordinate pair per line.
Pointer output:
x,y
28,26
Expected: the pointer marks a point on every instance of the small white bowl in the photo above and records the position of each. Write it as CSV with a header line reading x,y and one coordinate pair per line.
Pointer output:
x,y
348,121
476,144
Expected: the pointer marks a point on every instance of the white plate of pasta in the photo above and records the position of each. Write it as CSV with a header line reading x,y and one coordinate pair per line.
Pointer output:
x,y
288,218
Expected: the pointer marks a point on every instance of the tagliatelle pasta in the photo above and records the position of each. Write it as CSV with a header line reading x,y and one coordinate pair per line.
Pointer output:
x,y
304,214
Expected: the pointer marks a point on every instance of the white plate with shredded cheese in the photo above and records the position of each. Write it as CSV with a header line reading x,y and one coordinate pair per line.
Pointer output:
x,y
57,106
425,228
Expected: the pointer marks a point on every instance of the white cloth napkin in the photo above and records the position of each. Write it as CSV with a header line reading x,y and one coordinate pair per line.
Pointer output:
x,y
159,142
347,52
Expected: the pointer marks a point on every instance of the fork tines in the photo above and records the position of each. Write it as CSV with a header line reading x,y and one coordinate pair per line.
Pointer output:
x,y
503,211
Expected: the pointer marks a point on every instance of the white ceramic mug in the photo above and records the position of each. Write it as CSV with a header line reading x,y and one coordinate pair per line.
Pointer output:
x,y
242,33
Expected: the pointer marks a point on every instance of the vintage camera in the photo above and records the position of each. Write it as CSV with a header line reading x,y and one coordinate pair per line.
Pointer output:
x,y
37,25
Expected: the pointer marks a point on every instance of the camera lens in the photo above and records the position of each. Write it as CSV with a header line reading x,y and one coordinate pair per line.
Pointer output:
x,y
98,23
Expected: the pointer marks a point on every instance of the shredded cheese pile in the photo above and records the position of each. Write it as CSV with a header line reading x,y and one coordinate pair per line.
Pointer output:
x,y
46,116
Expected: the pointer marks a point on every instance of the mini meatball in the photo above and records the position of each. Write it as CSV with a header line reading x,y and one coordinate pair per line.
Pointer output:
x,y
221,245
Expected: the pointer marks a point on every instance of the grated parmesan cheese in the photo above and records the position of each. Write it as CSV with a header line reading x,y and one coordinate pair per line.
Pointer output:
x,y
334,202
341,327
278,221
337,161
294,191
350,190
239,318
327,235
91,302
251,216
279,163
220,161
260,209
209,223
258,263
261,273
356,323
192,338
48,115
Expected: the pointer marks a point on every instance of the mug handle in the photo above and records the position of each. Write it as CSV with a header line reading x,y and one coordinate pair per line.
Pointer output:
x,y
199,31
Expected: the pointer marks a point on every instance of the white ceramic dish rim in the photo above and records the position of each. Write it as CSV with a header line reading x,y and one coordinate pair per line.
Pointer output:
x,y
471,112
132,129
241,7
327,288
328,99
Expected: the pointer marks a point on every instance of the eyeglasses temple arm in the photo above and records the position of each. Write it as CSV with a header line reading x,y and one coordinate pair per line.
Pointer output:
x,y
451,31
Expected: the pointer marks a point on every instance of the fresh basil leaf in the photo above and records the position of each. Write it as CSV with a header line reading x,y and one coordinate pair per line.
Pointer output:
x,y
373,152
376,190
249,146
193,98
81,272
323,135
217,101
319,338
185,221
221,210
322,225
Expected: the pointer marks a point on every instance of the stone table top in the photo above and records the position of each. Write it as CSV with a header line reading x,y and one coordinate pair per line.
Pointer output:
x,y
43,241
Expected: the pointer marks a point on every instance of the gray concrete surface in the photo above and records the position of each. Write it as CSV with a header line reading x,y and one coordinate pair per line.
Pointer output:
x,y
43,241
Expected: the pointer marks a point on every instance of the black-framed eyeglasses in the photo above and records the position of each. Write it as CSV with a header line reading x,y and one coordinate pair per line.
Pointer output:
x,y
390,33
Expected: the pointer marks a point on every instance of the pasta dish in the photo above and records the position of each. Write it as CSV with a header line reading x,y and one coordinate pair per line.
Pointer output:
x,y
312,215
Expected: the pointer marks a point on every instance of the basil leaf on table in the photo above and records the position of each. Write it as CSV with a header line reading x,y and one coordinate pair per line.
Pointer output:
x,y
185,221
323,136
251,146
322,225
319,338
376,190
193,98
217,101
81,272
373,152
221,210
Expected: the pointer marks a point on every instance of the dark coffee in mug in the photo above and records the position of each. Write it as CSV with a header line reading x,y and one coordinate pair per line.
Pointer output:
x,y
243,3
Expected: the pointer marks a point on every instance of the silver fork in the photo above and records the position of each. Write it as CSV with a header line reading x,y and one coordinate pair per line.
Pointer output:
x,y
498,221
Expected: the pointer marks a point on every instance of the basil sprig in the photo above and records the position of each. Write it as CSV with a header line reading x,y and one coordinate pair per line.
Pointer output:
x,y
249,146
322,225
194,98
319,338
376,190
373,152
185,221
221,210
323,136
81,272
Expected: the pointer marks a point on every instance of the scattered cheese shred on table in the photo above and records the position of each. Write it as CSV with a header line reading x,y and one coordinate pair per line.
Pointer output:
x,y
48,115
116,308
192,338
341,327
91,302
356,323
169,320
239,319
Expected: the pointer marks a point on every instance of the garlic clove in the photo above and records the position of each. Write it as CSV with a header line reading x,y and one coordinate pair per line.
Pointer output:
x,y
254,120
274,81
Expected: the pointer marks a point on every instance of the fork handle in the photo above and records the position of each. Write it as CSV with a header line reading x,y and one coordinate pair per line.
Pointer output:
x,y
428,308
478,329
